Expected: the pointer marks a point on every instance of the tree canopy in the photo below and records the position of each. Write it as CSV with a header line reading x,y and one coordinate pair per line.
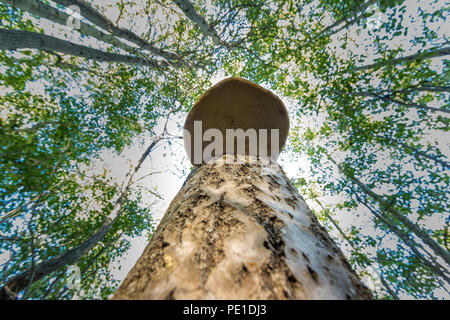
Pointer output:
x,y
367,87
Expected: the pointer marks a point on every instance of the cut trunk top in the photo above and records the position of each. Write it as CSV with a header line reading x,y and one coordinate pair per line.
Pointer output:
x,y
235,103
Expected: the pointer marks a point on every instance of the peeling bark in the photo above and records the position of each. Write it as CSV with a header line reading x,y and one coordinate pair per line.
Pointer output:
x,y
241,231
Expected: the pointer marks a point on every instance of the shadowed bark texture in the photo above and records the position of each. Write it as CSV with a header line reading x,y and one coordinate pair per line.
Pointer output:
x,y
240,231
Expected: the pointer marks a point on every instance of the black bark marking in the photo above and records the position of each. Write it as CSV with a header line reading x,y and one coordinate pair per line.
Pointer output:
x,y
291,202
305,256
170,295
164,244
313,273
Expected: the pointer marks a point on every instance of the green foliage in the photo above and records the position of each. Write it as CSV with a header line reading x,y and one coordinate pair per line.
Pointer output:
x,y
371,124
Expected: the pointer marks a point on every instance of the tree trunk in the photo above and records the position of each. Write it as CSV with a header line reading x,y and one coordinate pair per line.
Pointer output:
x,y
356,10
384,283
428,54
18,39
417,153
20,281
350,19
387,98
430,262
189,11
240,231
390,208
88,12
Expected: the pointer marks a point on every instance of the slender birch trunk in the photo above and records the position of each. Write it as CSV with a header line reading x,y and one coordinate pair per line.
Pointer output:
x,y
189,11
48,12
387,98
19,39
103,22
428,54
390,208
20,281
417,153
430,262
384,283
352,18
240,231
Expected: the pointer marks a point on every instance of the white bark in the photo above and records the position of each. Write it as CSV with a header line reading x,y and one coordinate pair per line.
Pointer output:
x,y
189,11
240,231
400,216
428,54
19,39
21,280
387,97
48,12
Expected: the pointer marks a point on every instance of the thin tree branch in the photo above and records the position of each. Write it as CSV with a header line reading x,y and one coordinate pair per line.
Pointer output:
x,y
428,54
103,22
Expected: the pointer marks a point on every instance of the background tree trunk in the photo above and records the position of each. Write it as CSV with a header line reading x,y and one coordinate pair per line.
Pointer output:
x,y
18,39
188,9
100,20
26,277
240,231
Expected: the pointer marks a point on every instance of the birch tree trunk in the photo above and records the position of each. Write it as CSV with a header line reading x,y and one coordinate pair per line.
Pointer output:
x,y
349,19
189,11
428,54
100,20
387,97
48,12
28,276
18,39
390,208
240,231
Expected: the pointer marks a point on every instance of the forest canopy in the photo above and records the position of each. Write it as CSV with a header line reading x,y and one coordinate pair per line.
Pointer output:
x,y
366,84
